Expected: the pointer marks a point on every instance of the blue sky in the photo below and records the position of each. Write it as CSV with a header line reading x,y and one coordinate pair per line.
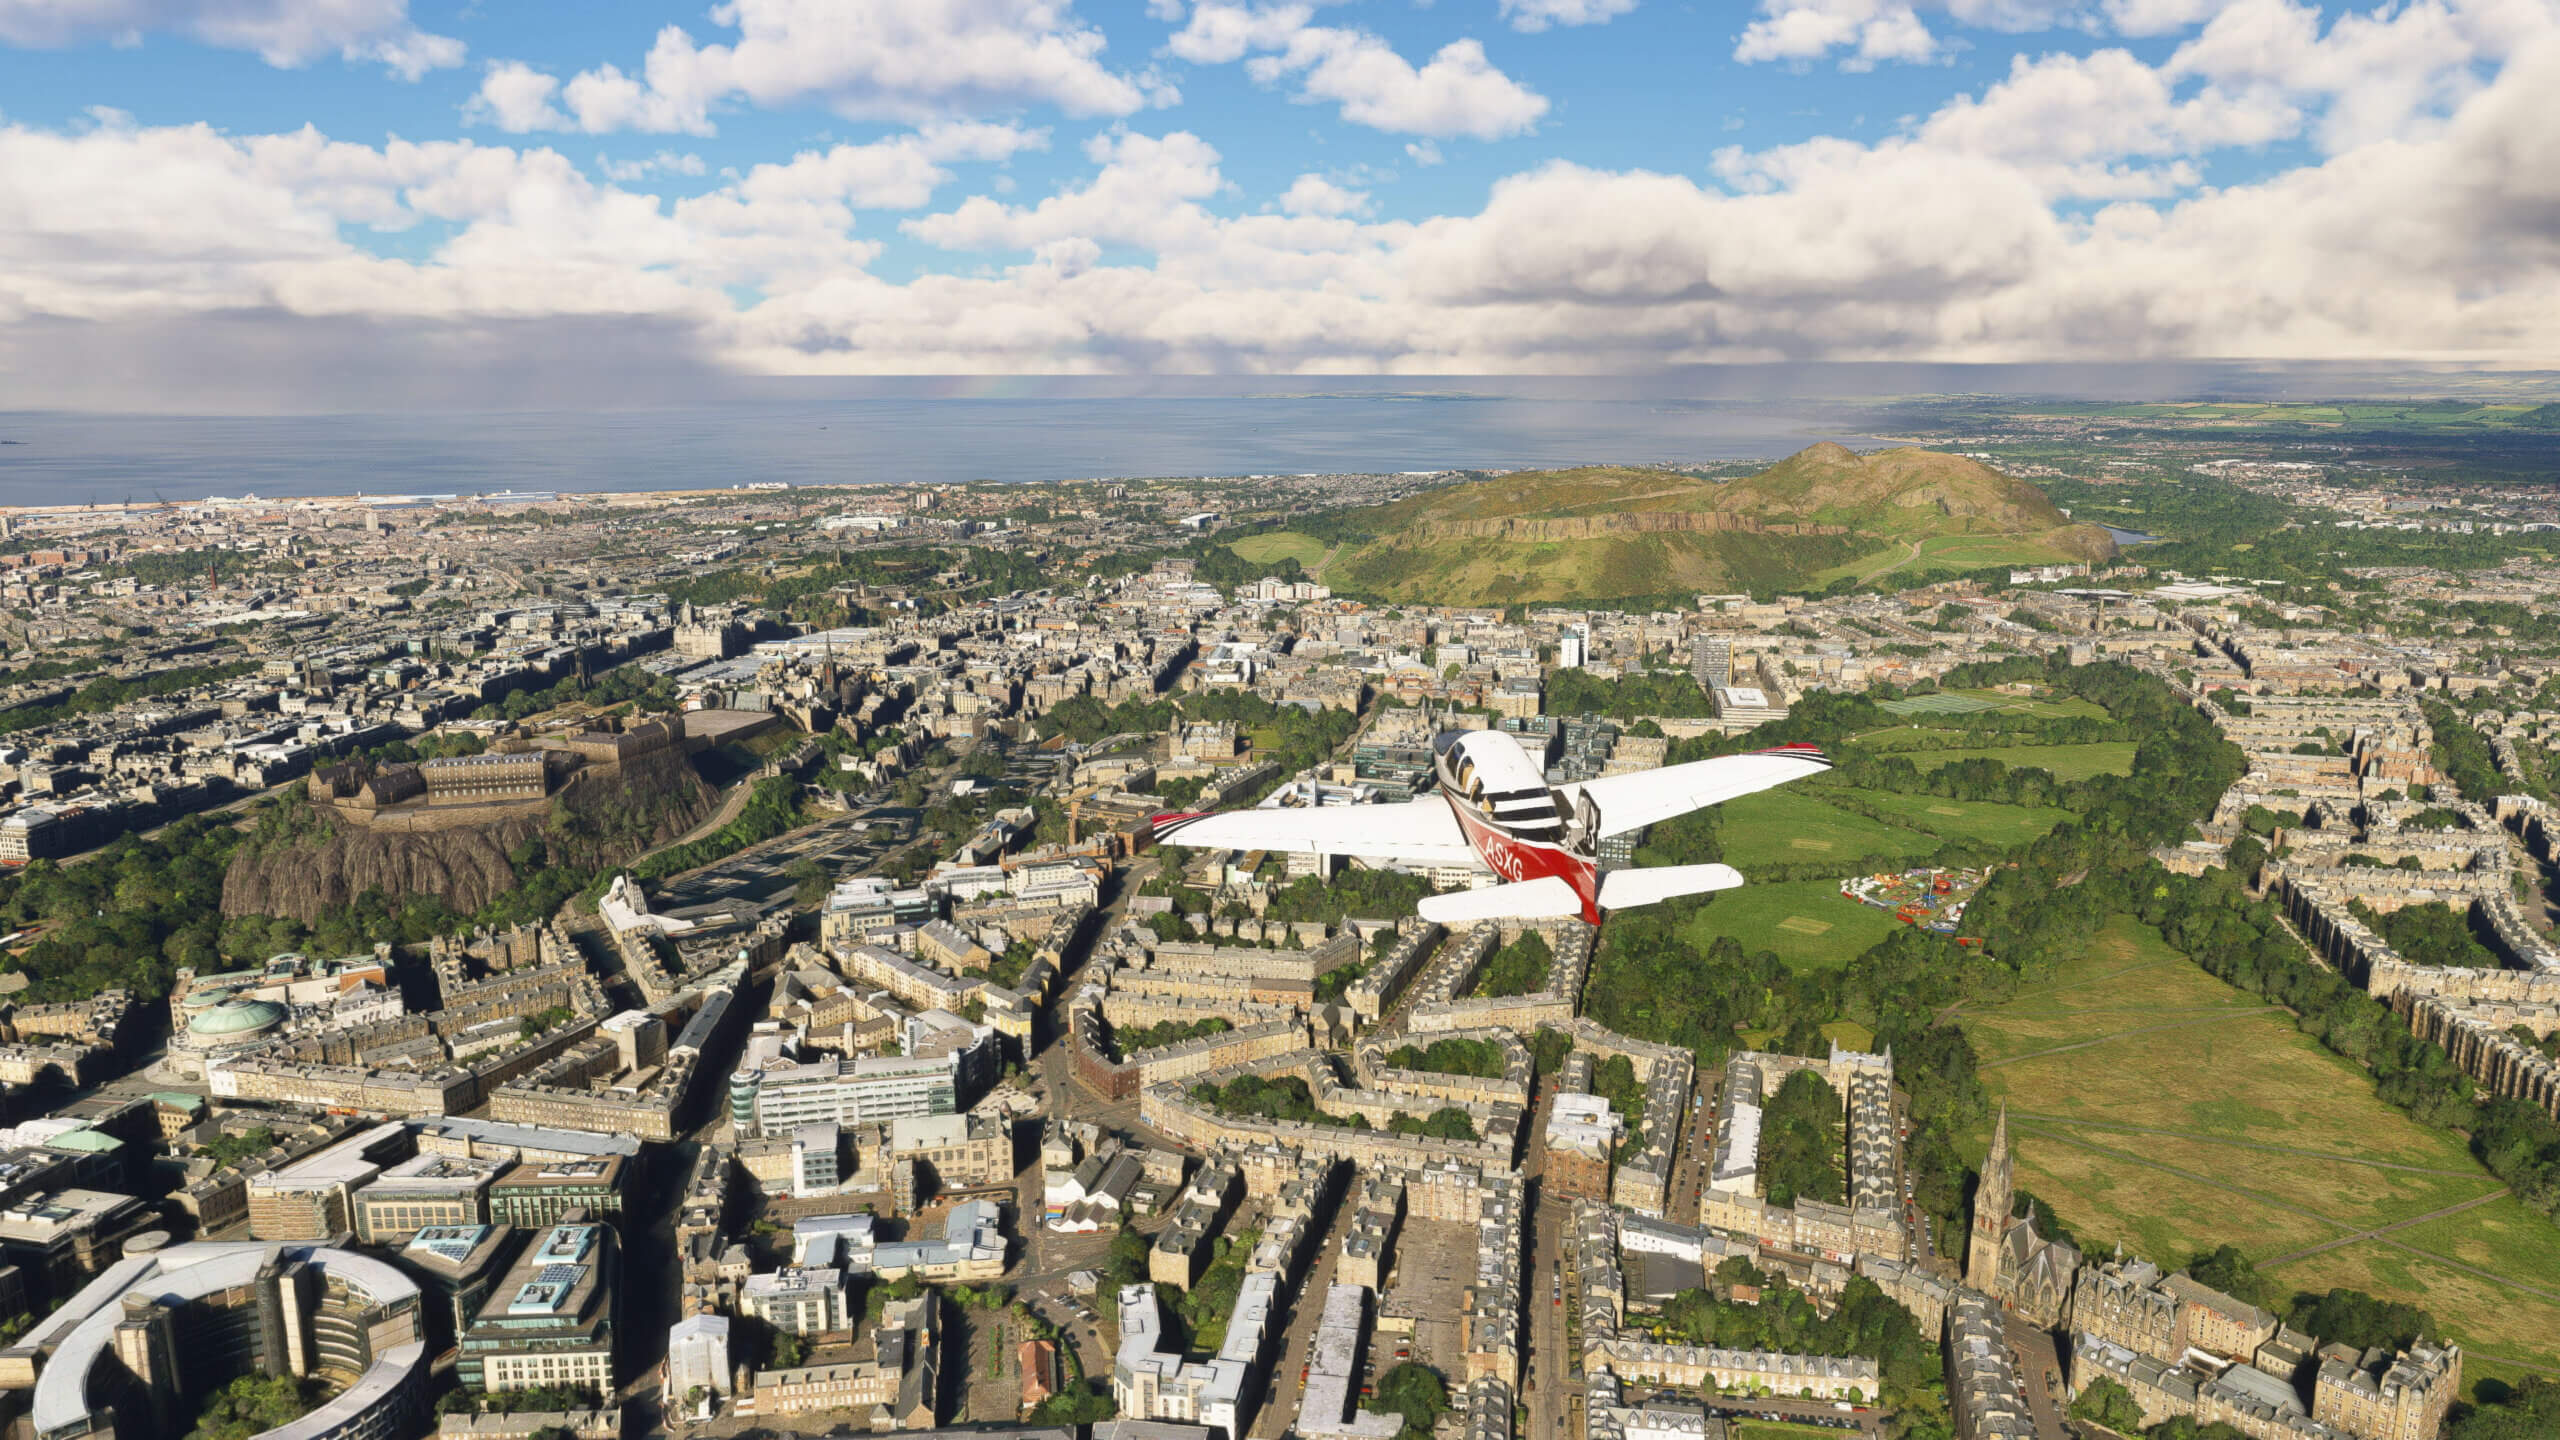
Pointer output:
x,y
896,186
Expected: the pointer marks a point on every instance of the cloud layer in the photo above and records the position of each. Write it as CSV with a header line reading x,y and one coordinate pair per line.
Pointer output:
x,y
2060,212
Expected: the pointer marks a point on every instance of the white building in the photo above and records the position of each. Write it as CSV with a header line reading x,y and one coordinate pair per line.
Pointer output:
x,y
698,1355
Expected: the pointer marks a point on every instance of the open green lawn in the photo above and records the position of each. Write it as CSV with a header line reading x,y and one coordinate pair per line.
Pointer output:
x,y
1791,824
1806,922
2067,762
2044,707
1279,545
2154,1105
1962,819
1953,552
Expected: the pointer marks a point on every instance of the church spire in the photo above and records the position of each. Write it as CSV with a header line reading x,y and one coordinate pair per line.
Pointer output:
x,y
1992,1199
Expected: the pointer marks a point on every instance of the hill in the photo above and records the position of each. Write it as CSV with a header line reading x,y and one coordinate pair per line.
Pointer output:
x,y
1603,533
311,861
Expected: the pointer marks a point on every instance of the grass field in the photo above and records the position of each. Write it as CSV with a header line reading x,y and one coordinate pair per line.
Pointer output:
x,y
1954,552
1790,824
1964,819
2154,1105
1937,704
1765,1430
1273,547
1806,922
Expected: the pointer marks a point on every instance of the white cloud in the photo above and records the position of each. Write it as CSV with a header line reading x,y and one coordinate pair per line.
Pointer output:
x,y
1316,195
1532,16
1457,92
902,60
1423,152
1145,194
2067,122
516,98
665,162
119,243
2372,74
1870,31
284,33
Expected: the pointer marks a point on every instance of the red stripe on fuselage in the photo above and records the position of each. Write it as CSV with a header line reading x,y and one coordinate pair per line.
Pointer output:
x,y
1515,859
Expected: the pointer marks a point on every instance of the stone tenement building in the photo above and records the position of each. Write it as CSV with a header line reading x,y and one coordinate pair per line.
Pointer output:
x,y
2381,1396
1871,1223
2479,1038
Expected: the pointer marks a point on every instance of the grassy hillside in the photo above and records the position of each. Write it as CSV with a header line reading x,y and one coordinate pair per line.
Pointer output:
x,y
1603,533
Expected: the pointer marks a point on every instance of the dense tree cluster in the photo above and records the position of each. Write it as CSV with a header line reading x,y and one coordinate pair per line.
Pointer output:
x,y
1353,894
1865,1322
107,692
1455,1055
2431,934
253,1404
1519,968
1446,1123
2107,1403
1416,1392
2459,751
1800,1142
2530,1412
129,915
1285,1098
1642,692
1166,1032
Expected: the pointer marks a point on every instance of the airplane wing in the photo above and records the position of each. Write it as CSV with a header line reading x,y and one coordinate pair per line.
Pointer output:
x,y
1619,803
1420,832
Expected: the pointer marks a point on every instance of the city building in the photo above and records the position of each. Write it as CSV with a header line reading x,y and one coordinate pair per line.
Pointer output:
x,y
552,1320
799,1300
455,1267
424,1192
534,1193
153,1330
698,1356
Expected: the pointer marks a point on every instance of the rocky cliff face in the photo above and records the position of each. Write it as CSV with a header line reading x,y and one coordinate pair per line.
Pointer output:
x,y
598,819
1535,529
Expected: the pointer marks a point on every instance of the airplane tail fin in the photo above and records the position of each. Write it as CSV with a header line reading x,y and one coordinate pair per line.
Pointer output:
x,y
1625,889
1549,897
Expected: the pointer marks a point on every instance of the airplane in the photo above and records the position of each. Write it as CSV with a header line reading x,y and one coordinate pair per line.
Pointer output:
x,y
1494,805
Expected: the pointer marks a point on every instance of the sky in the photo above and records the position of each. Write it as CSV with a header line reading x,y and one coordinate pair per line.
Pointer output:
x,y
251,199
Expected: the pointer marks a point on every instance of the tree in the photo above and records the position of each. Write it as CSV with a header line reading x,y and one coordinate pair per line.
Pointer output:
x,y
251,1405
2229,1271
2109,1404
1416,1392
2530,1412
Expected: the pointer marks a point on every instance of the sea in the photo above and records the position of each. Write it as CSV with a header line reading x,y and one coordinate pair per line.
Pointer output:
x,y
854,439
853,432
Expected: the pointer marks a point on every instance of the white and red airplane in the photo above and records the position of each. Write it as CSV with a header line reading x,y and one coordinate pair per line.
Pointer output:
x,y
1494,805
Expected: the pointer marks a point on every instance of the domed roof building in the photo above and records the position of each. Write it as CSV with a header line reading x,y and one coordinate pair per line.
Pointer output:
x,y
234,1022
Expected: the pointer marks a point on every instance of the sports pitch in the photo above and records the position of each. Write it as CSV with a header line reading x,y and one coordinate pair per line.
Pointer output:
x,y
1806,922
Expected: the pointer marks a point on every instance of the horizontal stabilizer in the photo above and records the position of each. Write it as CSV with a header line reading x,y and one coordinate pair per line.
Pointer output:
x,y
1623,889
1549,897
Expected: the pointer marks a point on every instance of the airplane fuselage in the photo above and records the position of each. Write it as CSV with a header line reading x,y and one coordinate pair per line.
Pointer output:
x,y
1514,820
